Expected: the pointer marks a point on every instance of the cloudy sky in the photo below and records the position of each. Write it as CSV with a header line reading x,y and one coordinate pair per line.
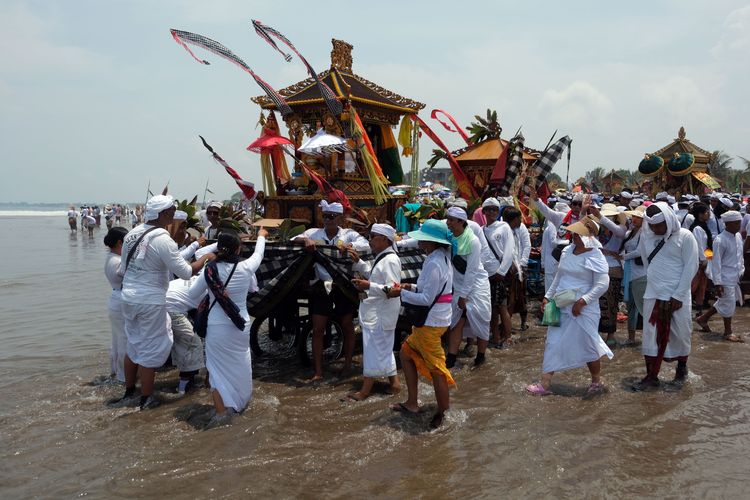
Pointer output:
x,y
96,99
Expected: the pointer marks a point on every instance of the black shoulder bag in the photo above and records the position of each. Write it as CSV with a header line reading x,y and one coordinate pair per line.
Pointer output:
x,y
417,315
201,315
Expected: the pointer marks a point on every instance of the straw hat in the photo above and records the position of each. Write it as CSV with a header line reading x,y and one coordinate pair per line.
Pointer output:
x,y
636,212
588,226
611,210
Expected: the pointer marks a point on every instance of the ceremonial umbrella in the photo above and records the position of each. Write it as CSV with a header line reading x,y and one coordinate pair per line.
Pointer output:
x,y
323,144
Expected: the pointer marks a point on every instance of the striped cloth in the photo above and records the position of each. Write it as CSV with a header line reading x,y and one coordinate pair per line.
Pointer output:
x,y
266,32
543,166
515,164
185,37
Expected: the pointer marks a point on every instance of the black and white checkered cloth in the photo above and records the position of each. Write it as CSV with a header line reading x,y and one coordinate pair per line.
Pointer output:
x,y
543,166
185,37
514,165
284,265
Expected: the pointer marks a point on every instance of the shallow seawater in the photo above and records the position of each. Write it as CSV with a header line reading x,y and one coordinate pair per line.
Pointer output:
x,y
60,440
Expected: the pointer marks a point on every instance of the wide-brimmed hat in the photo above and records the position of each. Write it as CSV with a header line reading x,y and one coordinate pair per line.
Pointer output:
x,y
588,226
432,230
636,212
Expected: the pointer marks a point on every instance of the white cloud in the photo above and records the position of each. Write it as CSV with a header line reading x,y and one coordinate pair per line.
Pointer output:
x,y
579,104
736,35
29,50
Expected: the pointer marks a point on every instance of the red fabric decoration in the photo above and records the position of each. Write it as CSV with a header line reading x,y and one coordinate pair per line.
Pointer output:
x,y
447,127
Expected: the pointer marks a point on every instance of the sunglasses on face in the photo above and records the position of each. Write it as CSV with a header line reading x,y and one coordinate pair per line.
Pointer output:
x,y
330,216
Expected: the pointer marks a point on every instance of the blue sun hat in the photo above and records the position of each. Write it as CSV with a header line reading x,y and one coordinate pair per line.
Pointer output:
x,y
432,230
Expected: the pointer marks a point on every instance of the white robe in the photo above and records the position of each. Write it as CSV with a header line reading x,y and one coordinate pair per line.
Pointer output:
x,y
577,341
227,347
378,315
119,346
727,268
669,275
474,287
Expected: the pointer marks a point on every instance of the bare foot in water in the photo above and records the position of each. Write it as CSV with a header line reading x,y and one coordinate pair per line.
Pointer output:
x,y
403,408
313,379
393,390
356,397
733,338
704,326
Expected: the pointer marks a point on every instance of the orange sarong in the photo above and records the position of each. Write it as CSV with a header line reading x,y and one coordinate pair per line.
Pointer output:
x,y
424,348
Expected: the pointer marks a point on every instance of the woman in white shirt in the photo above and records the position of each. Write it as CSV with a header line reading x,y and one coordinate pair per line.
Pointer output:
x,y
227,334
422,353
113,240
634,272
576,341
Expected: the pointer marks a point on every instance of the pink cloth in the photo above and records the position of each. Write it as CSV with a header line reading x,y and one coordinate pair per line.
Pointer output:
x,y
479,217
445,299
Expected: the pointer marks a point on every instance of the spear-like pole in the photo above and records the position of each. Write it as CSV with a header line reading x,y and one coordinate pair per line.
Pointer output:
x,y
148,190
203,204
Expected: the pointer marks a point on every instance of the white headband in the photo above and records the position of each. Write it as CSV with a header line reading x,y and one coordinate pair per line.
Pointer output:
x,y
336,208
656,219
157,204
731,216
491,202
458,213
180,215
726,202
385,230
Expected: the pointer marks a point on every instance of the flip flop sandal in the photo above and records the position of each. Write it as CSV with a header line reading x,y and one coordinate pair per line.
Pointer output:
x,y
594,389
537,389
401,408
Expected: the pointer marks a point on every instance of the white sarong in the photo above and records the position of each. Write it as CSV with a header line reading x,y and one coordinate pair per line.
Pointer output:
x,y
187,350
229,364
727,303
681,328
377,347
119,345
149,335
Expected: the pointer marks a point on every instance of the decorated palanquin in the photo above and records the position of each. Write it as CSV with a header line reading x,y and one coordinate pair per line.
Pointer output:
x,y
478,160
679,167
346,169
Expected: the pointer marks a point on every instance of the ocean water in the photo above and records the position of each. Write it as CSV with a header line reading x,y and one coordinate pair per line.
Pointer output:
x,y
60,440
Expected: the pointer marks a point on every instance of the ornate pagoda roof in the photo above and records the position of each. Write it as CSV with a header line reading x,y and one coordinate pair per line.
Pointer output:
x,y
488,151
682,145
342,80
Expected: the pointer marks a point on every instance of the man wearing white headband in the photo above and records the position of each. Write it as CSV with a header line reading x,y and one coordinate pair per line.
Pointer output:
x,y
624,199
326,297
498,262
727,268
211,220
378,314
150,257
471,306
670,255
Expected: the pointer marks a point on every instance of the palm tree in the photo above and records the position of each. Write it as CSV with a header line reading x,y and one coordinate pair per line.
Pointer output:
x,y
594,178
719,166
484,128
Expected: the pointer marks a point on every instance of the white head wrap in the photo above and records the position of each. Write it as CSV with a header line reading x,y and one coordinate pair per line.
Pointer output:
x,y
671,200
458,213
491,202
578,197
726,202
387,231
214,204
626,195
335,208
157,204
562,207
662,196
716,195
180,215
460,203
731,216
667,215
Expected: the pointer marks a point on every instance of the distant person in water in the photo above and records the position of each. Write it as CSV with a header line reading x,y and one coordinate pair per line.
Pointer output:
x,y
72,219
89,223
113,240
